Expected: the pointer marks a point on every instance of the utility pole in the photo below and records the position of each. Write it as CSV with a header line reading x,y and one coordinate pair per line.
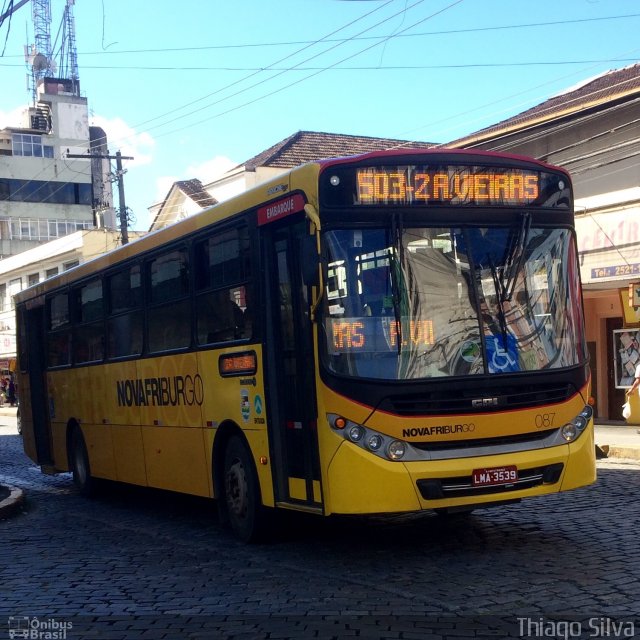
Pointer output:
x,y
122,211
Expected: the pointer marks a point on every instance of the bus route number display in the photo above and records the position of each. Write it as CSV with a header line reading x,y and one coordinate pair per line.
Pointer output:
x,y
368,334
446,185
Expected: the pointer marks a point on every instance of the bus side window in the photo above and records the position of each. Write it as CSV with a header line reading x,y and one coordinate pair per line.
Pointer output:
x,y
223,299
219,317
88,343
58,331
125,322
169,317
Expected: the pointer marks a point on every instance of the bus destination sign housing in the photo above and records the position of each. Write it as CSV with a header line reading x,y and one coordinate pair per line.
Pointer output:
x,y
444,185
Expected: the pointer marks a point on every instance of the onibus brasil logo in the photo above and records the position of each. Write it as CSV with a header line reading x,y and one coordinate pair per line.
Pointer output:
x,y
32,627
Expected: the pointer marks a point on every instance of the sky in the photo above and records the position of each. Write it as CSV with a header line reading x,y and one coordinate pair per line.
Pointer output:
x,y
192,88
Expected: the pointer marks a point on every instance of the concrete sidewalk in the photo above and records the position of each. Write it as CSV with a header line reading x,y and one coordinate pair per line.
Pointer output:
x,y
11,498
619,440
7,410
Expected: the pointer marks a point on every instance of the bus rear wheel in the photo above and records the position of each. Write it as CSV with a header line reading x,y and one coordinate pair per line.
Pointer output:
x,y
242,492
79,462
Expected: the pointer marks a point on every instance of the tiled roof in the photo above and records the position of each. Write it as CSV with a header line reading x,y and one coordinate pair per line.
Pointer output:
x,y
193,189
307,146
597,91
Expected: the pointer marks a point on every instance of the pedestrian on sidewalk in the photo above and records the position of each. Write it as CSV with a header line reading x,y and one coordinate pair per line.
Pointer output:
x,y
634,386
636,382
11,392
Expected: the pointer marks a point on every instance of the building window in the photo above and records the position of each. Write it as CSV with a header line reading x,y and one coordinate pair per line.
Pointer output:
x,y
32,229
28,145
69,265
49,273
3,297
16,190
33,278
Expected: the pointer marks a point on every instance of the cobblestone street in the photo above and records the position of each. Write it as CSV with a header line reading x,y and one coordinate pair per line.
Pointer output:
x,y
136,563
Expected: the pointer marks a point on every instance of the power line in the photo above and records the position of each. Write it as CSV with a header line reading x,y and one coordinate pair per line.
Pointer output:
x,y
118,157
469,65
291,84
88,144
319,70
266,68
262,45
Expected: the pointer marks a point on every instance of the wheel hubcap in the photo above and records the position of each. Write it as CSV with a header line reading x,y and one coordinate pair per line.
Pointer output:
x,y
236,489
81,468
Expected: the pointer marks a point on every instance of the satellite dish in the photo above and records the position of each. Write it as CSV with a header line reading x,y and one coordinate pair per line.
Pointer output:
x,y
39,62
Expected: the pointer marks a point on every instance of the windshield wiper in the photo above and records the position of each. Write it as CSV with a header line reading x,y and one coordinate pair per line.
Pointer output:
x,y
396,244
514,260
498,286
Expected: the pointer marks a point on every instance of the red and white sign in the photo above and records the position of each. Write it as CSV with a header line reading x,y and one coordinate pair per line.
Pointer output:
x,y
281,208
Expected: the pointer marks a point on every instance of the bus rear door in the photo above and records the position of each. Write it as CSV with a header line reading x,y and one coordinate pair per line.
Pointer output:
x,y
33,398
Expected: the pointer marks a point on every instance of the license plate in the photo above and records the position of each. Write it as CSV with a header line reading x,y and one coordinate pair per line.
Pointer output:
x,y
494,475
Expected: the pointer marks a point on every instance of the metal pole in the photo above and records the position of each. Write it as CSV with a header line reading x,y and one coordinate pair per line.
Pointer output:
x,y
123,207
122,214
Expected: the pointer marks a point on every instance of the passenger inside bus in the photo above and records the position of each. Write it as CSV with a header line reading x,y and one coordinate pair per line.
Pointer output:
x,y
219,318
376,291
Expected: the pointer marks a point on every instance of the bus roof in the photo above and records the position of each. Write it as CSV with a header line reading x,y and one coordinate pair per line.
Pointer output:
x,y
439,152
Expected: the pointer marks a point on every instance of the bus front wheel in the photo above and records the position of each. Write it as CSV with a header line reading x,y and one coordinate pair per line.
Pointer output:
x,y
79,462
242,492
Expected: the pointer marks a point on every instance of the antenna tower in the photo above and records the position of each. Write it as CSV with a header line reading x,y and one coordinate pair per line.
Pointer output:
x,y
68,52
41,57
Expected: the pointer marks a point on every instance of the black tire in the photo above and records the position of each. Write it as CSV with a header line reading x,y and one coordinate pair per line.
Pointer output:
x,y
243,506
79,463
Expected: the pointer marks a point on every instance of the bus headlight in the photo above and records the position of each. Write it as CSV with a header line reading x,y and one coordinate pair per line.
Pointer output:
x,y
397,449
573,429
580,422
374,442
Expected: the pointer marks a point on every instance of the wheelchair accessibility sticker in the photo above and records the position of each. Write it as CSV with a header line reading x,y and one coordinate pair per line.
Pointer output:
x,y
502,355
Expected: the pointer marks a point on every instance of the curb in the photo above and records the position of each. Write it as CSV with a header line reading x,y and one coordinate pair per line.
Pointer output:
x,y
12,503
632,453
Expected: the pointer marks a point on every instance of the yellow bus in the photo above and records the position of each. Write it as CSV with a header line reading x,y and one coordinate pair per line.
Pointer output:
x,y
392,332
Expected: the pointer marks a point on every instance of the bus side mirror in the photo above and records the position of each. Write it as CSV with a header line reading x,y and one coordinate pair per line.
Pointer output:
x,y
310,261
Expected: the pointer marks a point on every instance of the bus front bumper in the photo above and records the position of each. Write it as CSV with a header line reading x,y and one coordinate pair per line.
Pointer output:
x,y
359,482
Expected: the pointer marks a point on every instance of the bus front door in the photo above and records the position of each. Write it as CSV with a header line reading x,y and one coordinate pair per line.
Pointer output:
x,y
290,372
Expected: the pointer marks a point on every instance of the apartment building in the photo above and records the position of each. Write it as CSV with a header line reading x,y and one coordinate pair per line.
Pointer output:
x,y
55,210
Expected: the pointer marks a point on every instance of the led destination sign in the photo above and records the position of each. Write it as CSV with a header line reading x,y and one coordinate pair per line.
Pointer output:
x,y
367,334
448,185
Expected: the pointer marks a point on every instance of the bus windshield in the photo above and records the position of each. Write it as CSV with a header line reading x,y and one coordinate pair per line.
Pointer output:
x,y
409,303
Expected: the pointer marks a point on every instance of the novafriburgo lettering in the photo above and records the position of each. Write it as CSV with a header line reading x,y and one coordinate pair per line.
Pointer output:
x,y
161,392
438,430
